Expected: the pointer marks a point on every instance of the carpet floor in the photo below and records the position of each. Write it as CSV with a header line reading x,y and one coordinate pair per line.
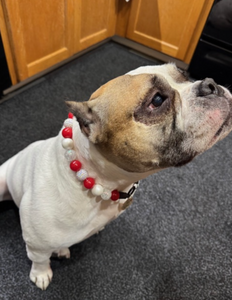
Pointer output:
x,y
174,242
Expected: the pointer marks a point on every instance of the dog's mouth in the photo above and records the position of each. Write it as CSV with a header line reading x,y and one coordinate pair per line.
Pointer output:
x,y
224,129
220,130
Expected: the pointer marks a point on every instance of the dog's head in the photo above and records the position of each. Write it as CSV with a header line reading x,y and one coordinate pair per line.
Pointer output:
x,y
154,117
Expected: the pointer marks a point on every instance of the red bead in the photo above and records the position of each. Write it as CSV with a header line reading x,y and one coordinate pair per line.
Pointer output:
x,y
89,182
67,132
115,195
75,165
70,115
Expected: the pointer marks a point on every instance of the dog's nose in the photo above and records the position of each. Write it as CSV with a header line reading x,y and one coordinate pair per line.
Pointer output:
x,y
208,86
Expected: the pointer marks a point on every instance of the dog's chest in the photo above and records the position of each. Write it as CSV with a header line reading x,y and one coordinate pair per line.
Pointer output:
x,y
90,215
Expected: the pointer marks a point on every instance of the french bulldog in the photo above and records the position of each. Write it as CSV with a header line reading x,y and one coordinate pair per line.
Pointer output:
x,y
70,186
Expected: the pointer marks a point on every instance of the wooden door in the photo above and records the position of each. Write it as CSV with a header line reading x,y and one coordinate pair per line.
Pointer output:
x,y
40,33
94,22
167,25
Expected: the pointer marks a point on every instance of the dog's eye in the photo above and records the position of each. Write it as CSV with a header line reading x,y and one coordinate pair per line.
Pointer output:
x,y
157,100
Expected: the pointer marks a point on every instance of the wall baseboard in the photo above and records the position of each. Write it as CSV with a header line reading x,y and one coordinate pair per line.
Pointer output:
x,y
135,47
148,51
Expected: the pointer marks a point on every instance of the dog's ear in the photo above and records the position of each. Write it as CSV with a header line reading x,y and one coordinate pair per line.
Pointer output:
x,y
88,120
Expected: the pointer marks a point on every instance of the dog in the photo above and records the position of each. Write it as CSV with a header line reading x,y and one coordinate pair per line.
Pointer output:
x,y
70,186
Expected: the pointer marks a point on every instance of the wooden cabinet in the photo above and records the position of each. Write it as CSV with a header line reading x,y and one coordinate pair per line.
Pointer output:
x,y
172,27
38,34
42,33
94,22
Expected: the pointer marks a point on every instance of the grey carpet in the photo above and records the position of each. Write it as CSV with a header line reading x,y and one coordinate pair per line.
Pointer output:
x,y
174,242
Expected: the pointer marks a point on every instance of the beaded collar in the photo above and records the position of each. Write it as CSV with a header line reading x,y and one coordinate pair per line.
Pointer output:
x,y
82,175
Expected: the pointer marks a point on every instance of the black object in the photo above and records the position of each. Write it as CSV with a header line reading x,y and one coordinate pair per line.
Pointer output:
x,y
5,81
123,195
213,55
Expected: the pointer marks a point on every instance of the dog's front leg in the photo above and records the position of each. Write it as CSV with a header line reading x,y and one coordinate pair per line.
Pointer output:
x,y
41,272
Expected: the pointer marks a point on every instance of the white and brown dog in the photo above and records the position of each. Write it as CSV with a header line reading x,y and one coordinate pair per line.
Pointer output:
x,y
137,124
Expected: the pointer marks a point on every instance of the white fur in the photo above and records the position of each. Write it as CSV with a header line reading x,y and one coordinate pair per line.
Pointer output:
x,y
50,196
55,210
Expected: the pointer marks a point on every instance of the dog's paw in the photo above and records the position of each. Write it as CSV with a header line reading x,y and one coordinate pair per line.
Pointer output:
x,y
41,279
62,253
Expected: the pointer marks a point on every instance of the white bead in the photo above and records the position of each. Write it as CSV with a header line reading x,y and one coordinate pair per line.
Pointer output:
x,y
68,144
106,194
68,123
70,155
82,175
97,190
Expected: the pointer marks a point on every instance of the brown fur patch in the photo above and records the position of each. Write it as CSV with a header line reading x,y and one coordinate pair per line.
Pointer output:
x,y
138,137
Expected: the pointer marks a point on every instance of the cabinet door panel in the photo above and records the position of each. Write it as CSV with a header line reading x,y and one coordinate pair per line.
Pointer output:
x,y
95,21
40,33
164,25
